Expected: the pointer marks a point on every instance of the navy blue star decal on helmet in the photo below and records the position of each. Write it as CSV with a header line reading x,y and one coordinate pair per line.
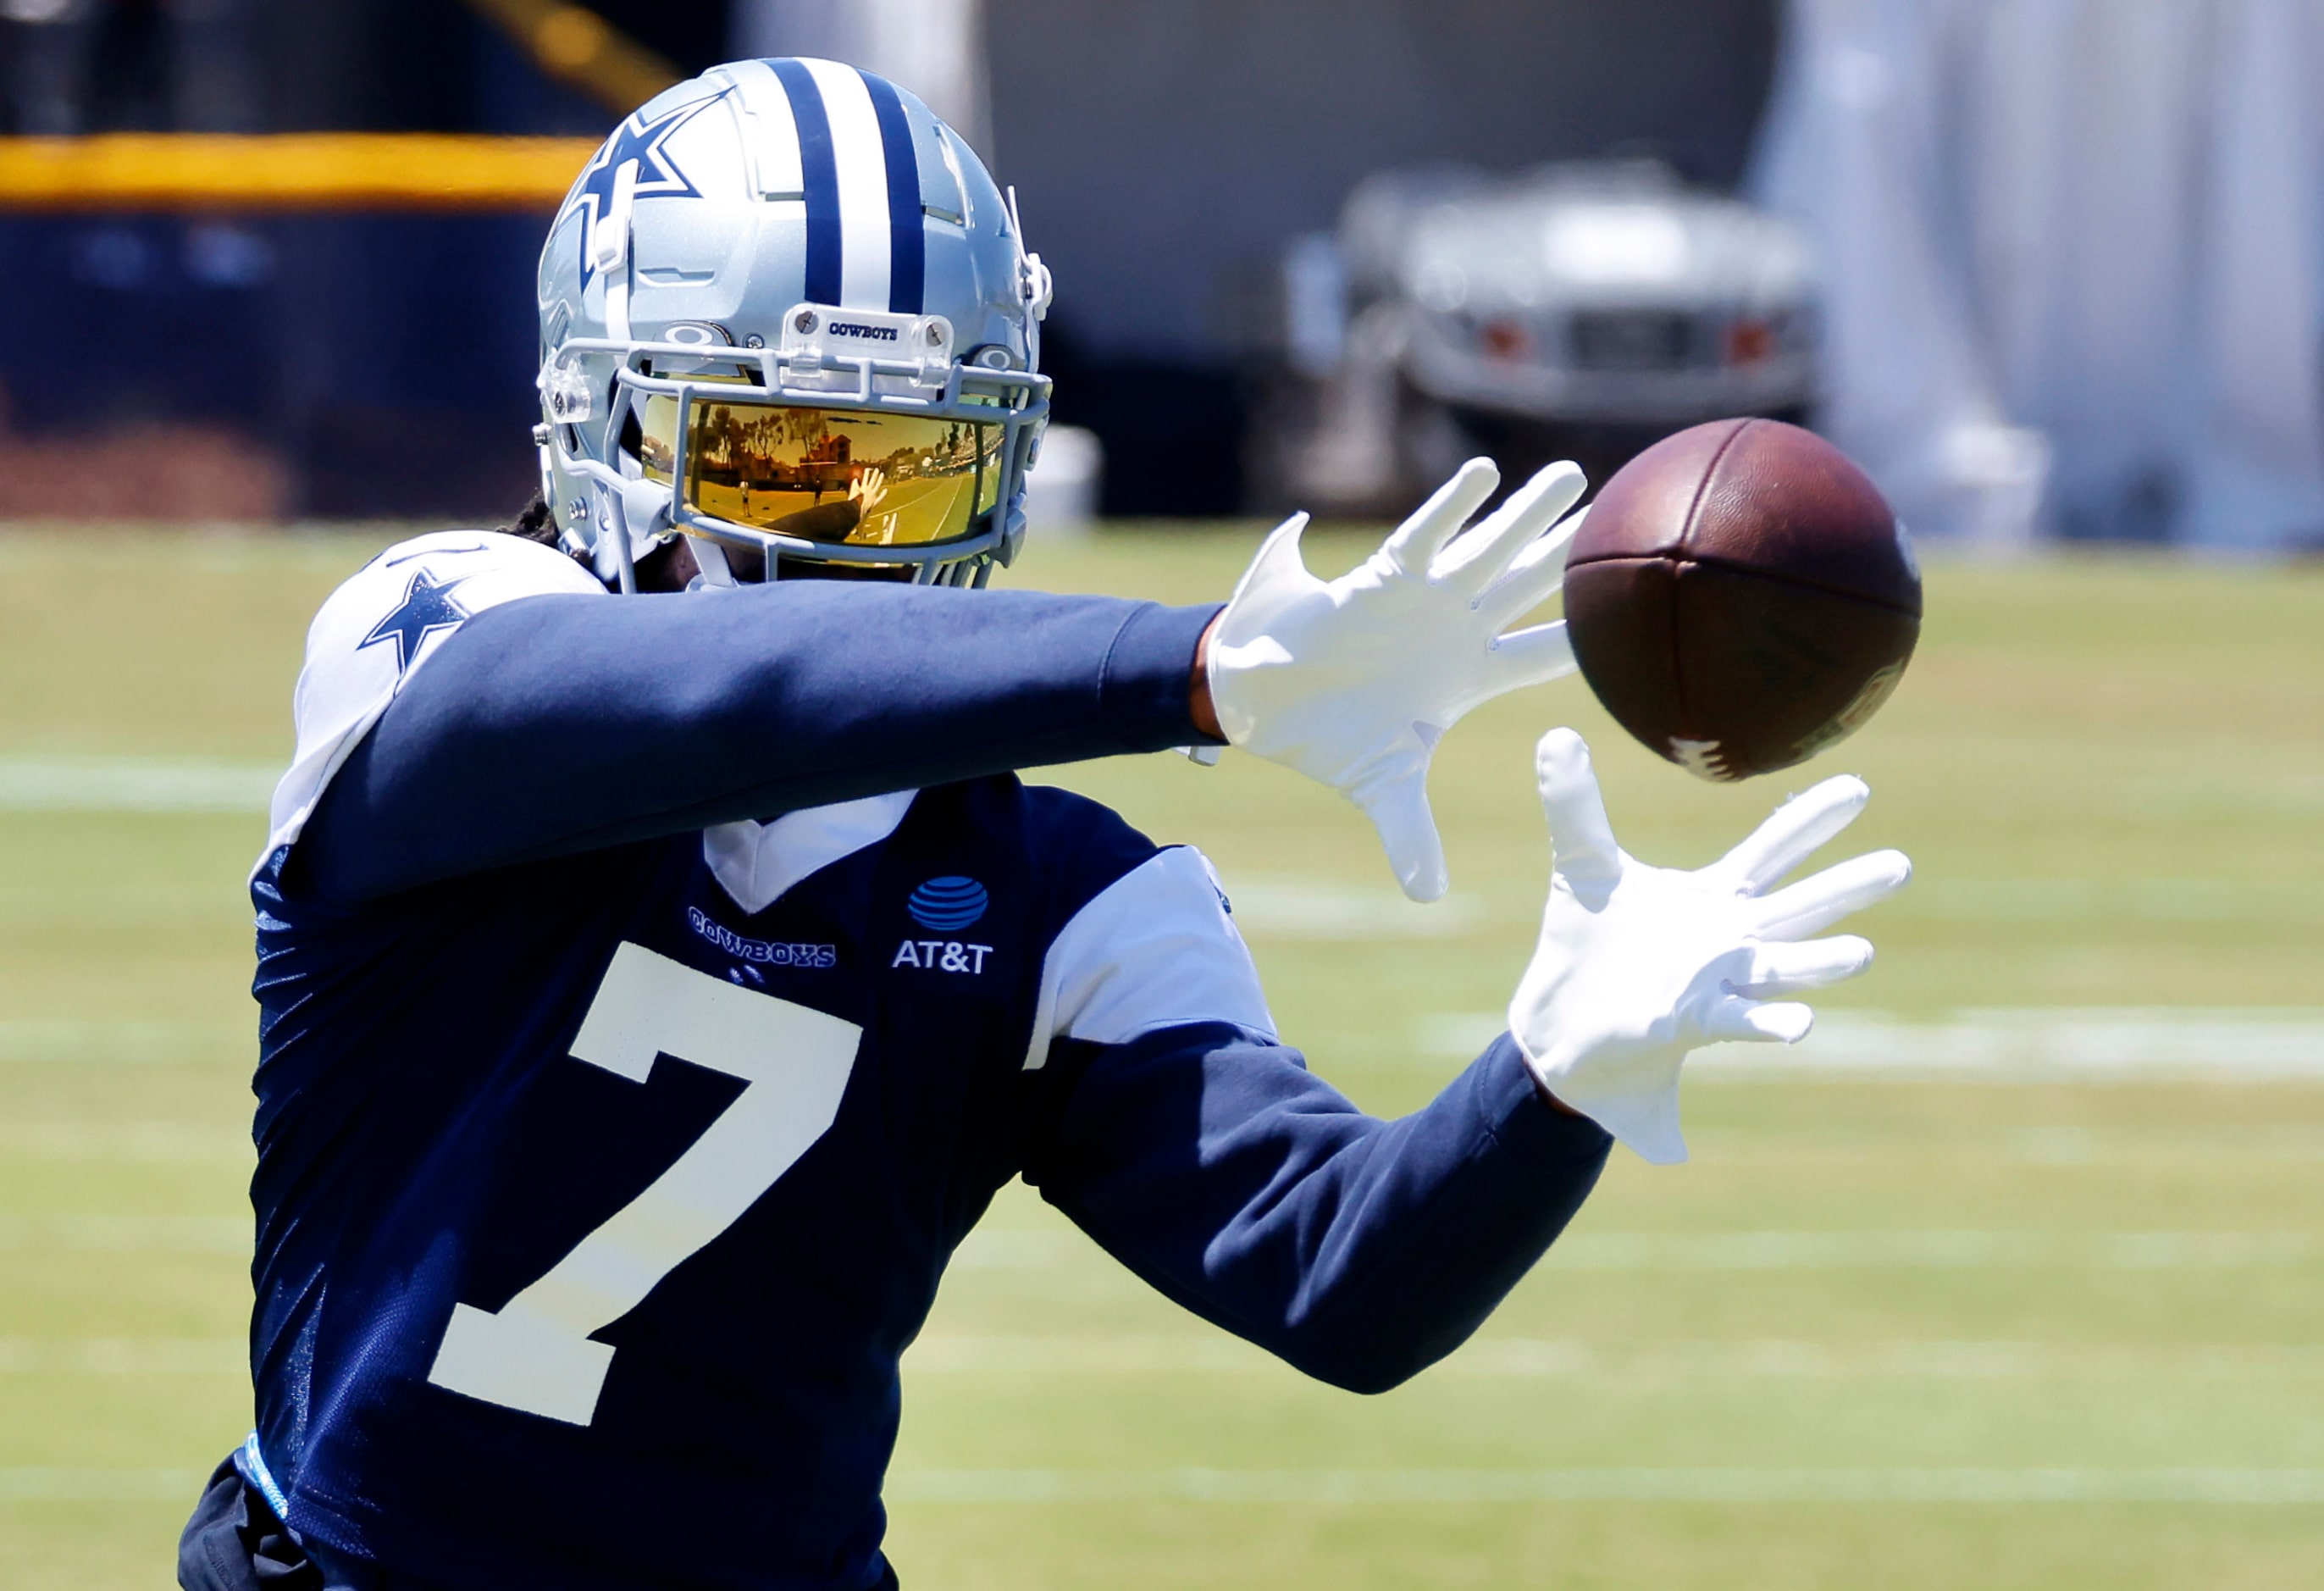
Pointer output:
x,y
639,140
428,605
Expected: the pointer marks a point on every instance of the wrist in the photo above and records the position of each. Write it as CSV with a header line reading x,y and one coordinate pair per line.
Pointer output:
x,y
1540,1075
1552,1100
1199,706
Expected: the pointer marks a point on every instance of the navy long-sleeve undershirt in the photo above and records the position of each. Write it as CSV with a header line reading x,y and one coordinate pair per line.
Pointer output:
x,y
1360,1250
558,724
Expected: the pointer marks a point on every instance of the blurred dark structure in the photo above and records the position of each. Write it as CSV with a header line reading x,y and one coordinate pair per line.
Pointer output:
x,y
386,361
92,66
1163,146
1168,149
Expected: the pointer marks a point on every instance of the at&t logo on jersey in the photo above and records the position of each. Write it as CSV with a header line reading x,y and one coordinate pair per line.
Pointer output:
x,y
946,905
941,956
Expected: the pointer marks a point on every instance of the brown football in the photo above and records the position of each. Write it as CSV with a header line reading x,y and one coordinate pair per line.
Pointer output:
x,y
1741,597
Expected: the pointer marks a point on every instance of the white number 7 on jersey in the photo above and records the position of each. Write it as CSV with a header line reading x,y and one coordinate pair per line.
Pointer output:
x,y
535,1354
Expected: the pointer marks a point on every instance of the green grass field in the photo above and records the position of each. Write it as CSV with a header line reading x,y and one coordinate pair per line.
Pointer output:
x,y
1884,1330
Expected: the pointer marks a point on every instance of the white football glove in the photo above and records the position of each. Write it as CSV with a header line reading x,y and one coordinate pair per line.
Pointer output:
x,y
1353,681
1638,965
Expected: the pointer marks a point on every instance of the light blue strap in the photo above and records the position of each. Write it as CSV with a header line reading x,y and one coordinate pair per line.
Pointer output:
x,y
254,1466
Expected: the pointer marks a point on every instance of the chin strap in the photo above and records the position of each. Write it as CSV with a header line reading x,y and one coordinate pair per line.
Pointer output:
x,y
1035,286
710,558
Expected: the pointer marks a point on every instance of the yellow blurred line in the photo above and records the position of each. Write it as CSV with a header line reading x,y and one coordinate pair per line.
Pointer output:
x,y
288,171
578,46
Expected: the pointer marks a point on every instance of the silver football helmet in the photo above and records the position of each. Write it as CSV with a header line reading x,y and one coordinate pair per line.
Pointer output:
x,y
786,312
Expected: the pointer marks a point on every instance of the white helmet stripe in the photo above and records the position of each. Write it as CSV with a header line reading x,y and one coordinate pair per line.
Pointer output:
x,y
861,161
772,139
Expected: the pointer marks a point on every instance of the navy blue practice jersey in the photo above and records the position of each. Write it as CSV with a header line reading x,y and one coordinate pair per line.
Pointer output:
x,y
606,1170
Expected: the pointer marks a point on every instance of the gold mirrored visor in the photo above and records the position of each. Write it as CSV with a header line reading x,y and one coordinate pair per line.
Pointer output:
x,y
847,477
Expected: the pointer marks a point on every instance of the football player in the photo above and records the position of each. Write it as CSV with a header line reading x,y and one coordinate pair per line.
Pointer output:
x,y
660,968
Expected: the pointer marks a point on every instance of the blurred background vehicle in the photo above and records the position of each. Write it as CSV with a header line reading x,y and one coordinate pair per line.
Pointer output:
x,y
1578,311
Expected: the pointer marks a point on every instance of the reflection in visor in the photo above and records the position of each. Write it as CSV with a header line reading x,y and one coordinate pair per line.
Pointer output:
x,y
843,476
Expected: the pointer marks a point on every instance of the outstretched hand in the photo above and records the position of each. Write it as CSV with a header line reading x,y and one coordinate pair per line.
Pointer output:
x,y
1636,966
1352,682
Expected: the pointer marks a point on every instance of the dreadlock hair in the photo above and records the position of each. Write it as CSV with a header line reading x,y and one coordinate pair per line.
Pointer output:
x,y
536,524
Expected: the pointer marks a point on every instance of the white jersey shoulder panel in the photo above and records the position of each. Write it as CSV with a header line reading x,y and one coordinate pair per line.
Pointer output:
x,y
374,630
756,863
1156,949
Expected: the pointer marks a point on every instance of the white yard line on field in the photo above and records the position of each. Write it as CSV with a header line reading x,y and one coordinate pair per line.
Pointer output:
x,y
1346,1486
1296,906
1319,906
127,1043
2162,1044
1932,1249
1490,1358
141,1142
2119,1044
124,1355
1906,1249
133,785
126,1235
45,1484
1342,1487
1536,1358
1578,1251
